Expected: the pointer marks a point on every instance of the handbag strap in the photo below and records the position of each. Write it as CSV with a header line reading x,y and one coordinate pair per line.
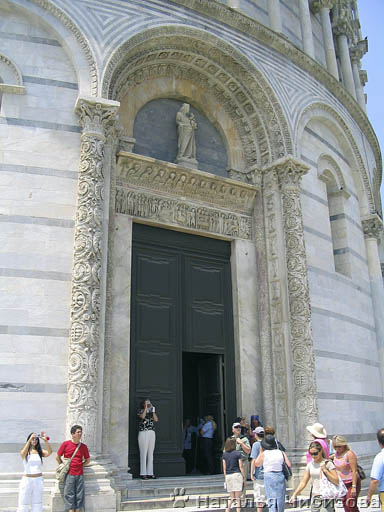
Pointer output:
x,y
74,453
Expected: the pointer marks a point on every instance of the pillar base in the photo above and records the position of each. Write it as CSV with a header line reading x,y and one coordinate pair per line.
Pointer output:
x,y
103,483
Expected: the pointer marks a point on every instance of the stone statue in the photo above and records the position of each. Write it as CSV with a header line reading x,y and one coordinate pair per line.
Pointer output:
x,y
186,145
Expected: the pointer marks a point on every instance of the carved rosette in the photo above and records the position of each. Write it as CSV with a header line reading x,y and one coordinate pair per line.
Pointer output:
x,y
290,172
82,408
372,227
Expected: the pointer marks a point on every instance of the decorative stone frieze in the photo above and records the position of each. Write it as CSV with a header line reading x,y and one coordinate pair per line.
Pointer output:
x,y
289,173
372,227
96,119
151,174
164,193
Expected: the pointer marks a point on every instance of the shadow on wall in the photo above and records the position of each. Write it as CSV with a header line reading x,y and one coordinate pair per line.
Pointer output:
x,y
155,132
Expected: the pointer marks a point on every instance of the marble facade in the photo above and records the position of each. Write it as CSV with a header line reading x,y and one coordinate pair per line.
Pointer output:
x,y
300,206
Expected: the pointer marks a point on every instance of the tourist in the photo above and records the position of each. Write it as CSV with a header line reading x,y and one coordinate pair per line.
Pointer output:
x,y
253,424
318,465
319,434
147,438
207,432
270,431
377,472
31,485
257,473
272,458
188,445
345,461
245,427
232,469
74,493
244,447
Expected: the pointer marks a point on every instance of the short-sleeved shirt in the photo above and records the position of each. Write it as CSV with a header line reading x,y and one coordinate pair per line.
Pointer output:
x,y
239,448
314,470
67,448
377,471
232,462
259,472
207,430
147,423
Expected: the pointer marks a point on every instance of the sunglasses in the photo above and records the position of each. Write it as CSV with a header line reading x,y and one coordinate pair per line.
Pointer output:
x,y
236,427
338,446
314,453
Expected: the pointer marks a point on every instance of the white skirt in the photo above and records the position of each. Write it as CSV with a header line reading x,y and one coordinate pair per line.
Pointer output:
x,y
234,482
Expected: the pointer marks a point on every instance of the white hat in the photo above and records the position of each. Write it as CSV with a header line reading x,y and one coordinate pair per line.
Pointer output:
x,y
237,424
258,430
317,430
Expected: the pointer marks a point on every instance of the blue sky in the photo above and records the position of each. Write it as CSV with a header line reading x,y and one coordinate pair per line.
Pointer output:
x,y
371,13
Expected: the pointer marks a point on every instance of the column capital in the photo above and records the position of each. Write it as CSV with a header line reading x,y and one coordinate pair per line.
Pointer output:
x,y
358,50
289,171
372,226
96,115
317,5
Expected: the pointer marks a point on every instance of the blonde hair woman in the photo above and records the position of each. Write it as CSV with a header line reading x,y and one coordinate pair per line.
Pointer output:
x,y
345,461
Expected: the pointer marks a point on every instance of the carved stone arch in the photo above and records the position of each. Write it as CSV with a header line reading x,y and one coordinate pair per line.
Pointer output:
x,y
70,37
180,54
328,170
338,125
11,80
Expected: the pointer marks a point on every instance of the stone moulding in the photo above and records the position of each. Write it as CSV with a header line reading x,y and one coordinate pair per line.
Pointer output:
x,y
165,193
12,75
256,30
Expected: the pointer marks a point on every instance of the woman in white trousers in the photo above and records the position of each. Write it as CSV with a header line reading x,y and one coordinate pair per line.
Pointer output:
x,y
147,438
31,485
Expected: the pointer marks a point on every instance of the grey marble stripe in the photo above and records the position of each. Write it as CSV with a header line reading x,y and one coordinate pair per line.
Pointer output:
x,y
309,161
314,196
337,277
43,221
35,274
318,234
30,39
349,396
348,218
328,144
346,250
26,387
25,330
48,81
343,318
16,447
43,171
46,125
346,357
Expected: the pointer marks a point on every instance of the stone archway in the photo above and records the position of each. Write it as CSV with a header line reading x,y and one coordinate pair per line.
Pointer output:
x,y
181,62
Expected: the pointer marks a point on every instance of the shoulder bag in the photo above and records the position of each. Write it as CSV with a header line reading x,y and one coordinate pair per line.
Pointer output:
x,y
329,490
361,472
63,468
285,468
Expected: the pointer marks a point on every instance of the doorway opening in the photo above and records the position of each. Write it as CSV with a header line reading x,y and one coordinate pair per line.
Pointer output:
x,y
203,395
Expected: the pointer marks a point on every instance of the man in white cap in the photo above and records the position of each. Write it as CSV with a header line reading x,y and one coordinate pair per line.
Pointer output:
x,y
243,446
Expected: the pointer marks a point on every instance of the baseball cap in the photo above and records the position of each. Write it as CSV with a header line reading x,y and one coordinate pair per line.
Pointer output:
x,y
237,424
258,430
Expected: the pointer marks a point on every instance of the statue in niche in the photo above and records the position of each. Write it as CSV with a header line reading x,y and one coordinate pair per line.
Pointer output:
x,y
186,144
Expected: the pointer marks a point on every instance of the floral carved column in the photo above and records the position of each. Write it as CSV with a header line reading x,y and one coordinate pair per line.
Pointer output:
x,y
290,172
84,406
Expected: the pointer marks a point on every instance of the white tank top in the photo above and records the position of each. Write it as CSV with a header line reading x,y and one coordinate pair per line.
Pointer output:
x,y
273,460
32,466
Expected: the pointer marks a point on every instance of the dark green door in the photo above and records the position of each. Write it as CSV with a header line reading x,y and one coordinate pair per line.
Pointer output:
x,y
181,302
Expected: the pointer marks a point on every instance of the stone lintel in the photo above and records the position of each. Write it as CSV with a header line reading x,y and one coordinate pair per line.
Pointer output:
x,y
170,180
12,89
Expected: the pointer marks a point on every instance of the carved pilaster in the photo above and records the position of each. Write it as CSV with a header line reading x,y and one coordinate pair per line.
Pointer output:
x,y
290,172
96,119
372,227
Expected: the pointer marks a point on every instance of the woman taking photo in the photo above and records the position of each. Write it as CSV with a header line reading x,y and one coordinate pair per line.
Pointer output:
x,y
271,458
345,461
31,485
314,469
232,469
147,438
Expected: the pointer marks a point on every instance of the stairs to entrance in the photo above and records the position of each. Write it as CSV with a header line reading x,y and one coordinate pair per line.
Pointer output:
x,y
195,492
